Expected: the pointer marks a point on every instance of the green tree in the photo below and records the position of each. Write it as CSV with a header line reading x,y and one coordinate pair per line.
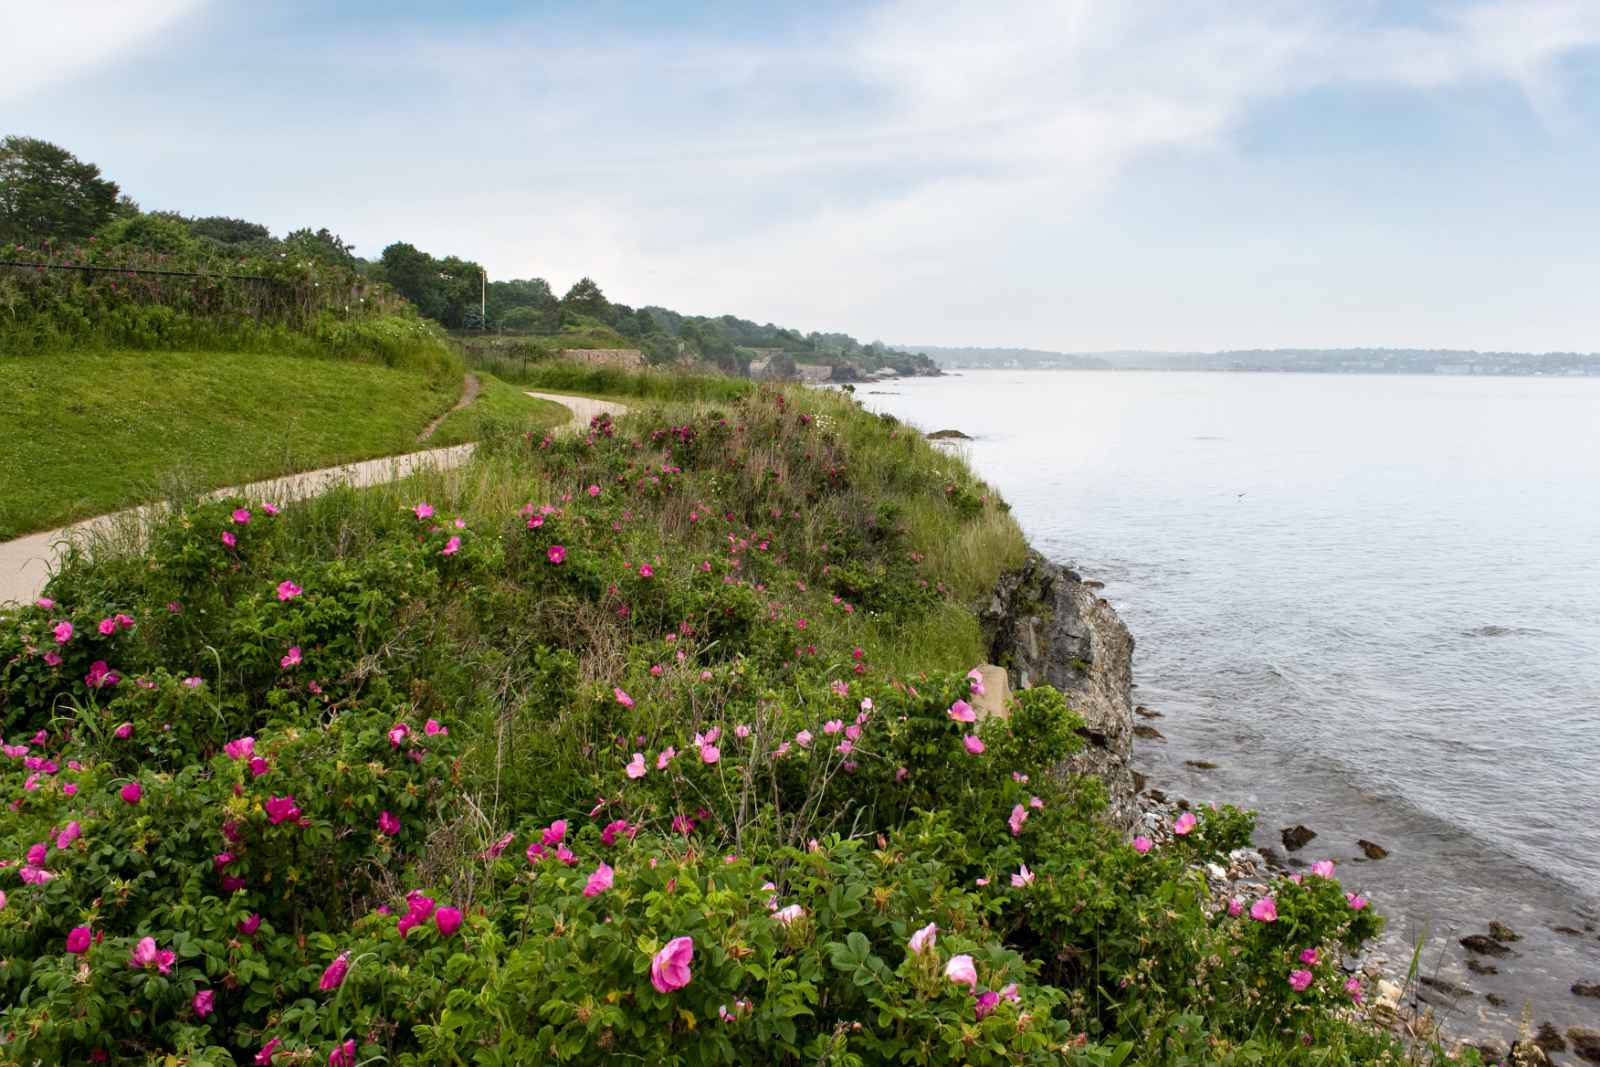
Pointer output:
x,y
585,298
415,276
228,231
323,245
46,191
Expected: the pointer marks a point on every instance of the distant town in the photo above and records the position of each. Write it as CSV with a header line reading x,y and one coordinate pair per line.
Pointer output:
x,y
1294,360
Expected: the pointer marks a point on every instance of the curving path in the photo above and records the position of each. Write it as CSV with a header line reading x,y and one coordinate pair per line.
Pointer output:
x,y
25,563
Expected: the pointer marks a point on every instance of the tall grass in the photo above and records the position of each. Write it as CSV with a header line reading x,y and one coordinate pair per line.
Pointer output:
x,y
562,376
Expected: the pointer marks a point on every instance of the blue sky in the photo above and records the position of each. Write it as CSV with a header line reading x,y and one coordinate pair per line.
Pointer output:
x,y
1169,174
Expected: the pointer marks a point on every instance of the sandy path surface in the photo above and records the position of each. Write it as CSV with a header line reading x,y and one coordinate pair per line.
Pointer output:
x,y
26,562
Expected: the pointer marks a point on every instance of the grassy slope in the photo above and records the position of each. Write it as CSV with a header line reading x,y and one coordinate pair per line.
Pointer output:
x,y
500,408
85,433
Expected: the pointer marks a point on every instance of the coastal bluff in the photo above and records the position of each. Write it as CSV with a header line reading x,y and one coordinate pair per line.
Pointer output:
x,y
1046,626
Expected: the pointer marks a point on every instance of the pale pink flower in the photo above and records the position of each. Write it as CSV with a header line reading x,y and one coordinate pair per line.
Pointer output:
x,y
961,971
665,757
789,914
622,698
599,881
1235,907
1022,879
270,509
974,744
423,510
1142,844
44,602
1264,910
145,955
1299,981
636,767
803,738
1356,901
669,968
1352,986
1019,815
832,726
710,753
1185,823
228,538
923,939
451,547
961,711
1322,868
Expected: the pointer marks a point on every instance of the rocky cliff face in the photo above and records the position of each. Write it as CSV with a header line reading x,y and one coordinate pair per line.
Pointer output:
x,y
1047,627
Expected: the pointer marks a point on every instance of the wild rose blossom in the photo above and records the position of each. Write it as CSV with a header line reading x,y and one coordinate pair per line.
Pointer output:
x,y
1142,844
204,1003
448,921
146,955
281,809
987,1001
669,968
961,711
451,547
241,516
1310,956
636,768
133,792
1356,901
240,748
556,554
1019,815
923,939
666,756
1022,879
249,924
333,977
424,510
343,1055
961,971
123,732
1322,868
1299,981
78,940
287,590
388,825
789,914
1185,823
622,697
974,744
600,881
62,632
290,658
1264,910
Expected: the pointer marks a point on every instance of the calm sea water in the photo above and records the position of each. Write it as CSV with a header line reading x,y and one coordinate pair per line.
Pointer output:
x,y
1374,602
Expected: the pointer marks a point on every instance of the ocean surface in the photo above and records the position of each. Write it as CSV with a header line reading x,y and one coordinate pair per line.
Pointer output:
x,y
1372,601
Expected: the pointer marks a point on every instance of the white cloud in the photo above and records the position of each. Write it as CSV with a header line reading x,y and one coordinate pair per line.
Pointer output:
x,y
48,43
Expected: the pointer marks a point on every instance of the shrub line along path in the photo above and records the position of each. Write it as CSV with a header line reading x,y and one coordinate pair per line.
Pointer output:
x,y
25,563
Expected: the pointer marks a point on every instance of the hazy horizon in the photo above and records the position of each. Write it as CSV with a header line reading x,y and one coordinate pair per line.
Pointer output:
x,y
1072,177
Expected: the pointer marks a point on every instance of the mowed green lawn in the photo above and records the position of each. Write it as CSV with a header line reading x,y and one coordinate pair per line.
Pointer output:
x,y
500,408
85,433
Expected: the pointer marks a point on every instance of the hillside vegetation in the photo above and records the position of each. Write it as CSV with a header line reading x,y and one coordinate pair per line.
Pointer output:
x,y
651,744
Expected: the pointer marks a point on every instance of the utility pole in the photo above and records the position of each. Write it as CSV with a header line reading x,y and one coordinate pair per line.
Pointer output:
x,y
483,298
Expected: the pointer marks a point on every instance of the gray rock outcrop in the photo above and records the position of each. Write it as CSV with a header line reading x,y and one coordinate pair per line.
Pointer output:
x,y
1046,626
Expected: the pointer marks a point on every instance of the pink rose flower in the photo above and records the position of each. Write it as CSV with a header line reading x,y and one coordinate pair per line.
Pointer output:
x,y
1299,981
1186,822
923,939
669,969
1264,910
600,881
288,590
961,971
974,744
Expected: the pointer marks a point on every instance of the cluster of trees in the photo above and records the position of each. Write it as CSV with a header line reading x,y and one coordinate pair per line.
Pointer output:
x,y
47,193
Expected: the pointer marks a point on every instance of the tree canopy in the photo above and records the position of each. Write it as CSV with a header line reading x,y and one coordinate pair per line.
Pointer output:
x,y
47,192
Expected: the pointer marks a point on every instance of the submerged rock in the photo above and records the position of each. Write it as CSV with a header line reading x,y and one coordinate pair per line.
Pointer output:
x,y
1549,1038
1148,733
1445,986
1484,946
1145,713
1296,837
1585,1042
948,435
1200,764
1371,849
1586,989
1503,933
1477,966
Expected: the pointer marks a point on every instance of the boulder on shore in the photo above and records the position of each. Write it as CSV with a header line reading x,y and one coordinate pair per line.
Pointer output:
x,y
948,435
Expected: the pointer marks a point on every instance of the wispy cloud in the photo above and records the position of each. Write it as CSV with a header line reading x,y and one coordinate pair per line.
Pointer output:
x,y
48,43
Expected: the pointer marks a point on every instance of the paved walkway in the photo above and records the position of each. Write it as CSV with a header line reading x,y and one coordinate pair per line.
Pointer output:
x,y
25,563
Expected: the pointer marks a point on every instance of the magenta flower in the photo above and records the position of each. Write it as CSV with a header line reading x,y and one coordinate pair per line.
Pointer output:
x,y
1235,907
258,766
343,1055
270,509
67,836
451,547
281,809
665,756
249,924
833,726
333,977
230,540
78,940
1185,823
608,836
45,602
423,511
288,590
961,711
398,733
711,753
974,744
987,1002
291,659
1310,956
448,920
107,627
636,767
133,792
645,571
599,881
269,1050
241,516
669,969
594,490
388,825
205,1002
961,971
1352,986
1264,910
433,729
923,939
622,698
123,732
1355,900
62,632
241,748
1019,815
556,554
146,955
555,833
100,675
1322,868
1299,981
1142,844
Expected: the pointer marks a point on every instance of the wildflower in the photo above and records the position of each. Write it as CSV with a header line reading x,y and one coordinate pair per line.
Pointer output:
x,y
451,547
555,833
78,940
1019,815
682,824
269,1050
388,825
258,766
62,632
123,732
1352,986
448,920
1141,844
1310,956
494,850
1185,823
204,1003
556,554
99,676
250,924
44,602
230,540
961,711
636,767
1355,900
669,968
1322,868
291,658
333,977
599,881
398,733
194,681
240,748
645,571
974,744
710,753
789,914
53,658
1022,879
923,939
566,855
281,809
1036,804
343,1055
107,627
145,955
66,837
1299,981
1235,907
241,516
987,1002
665,757
132,792
608,836
423,510
622,698
901,773
594,491
961,971
433,729
1264,910
803,738
287,590
270,509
